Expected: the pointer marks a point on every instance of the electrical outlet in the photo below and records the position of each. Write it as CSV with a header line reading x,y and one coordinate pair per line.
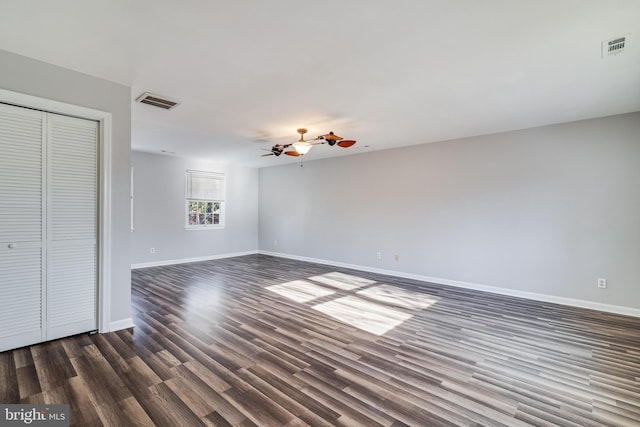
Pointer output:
x,y
602,283
152,250
275,243
379,255
396,257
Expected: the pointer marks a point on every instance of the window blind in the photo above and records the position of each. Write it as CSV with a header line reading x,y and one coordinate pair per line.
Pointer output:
x,y
206,186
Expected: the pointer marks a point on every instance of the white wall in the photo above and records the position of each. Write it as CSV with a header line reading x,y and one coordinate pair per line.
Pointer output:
x,y
159,211
545,210
28,76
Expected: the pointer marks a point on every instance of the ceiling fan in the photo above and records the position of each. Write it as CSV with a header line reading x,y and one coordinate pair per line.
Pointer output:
x,y
302,146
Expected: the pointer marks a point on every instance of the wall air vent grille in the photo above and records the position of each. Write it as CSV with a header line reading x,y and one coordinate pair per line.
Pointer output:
x,y
157,101
614,46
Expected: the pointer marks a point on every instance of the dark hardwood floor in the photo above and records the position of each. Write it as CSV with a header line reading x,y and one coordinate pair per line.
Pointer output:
x,y
263,341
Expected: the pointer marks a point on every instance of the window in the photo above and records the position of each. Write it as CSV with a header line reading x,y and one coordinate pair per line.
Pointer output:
x,y
204,200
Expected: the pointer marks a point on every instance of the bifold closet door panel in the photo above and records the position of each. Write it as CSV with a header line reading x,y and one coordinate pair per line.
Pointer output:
x,y
71,226
21,228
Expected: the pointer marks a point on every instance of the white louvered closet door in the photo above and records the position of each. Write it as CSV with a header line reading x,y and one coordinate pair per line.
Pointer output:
x,y
71,225
48,226
21,228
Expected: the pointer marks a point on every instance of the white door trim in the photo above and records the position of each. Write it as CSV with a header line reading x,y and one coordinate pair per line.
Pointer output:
x,y
104,220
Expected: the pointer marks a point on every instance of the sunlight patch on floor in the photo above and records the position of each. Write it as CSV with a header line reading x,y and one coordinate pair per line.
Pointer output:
x,y
300,290
343,281
364,315
398,296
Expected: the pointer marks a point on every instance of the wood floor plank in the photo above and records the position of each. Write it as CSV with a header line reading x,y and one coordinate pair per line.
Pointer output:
x,y
258,407
294,390
216,345
81,403
285,401
223,409
342,402
187,394
134,413
52,364
22,357
28,383
166,408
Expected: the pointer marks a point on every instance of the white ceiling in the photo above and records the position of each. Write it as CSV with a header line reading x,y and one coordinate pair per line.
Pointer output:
x,y
249,73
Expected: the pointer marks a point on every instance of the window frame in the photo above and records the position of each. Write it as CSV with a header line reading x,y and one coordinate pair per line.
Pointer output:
x,y
218,176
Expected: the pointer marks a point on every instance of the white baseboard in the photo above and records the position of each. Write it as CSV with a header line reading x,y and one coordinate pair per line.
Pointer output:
x,y
616,309
187,260
121,324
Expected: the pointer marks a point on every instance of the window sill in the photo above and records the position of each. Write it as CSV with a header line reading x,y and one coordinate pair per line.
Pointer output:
x,y
203,228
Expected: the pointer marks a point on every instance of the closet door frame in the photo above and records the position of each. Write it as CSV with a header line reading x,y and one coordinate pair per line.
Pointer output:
x,y
104,186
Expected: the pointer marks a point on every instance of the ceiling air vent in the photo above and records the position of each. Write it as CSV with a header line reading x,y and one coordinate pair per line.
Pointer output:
x,y
157,101
613,47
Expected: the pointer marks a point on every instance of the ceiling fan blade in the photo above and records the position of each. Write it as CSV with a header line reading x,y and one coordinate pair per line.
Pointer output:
x,y
292,153
265,155
346,143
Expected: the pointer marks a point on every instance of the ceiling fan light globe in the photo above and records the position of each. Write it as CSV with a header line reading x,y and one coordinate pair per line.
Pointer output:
x,y
302,147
